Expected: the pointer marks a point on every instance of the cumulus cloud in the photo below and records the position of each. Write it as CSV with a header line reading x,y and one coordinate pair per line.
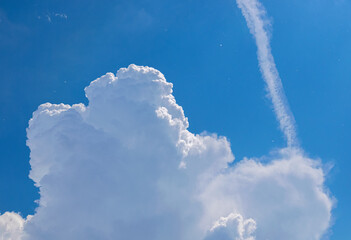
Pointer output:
x,y
285,197
11,226
126,167
232,227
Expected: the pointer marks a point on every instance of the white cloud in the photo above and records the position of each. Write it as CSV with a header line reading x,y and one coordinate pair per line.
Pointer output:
x,y
232,227
111,169
286,197
11,226
50,16
258,23
61,15
126,167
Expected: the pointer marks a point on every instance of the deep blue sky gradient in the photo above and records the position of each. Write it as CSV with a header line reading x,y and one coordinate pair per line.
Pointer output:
x,y
205,49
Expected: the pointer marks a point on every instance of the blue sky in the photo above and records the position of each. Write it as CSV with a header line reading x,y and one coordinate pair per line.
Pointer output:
x,y
51,50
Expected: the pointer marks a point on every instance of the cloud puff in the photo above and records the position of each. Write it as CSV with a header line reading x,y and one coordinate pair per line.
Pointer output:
x,y
126,167
232,227
11,226
285,197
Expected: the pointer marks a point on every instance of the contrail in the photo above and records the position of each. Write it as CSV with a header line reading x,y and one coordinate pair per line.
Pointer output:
x,y
258,24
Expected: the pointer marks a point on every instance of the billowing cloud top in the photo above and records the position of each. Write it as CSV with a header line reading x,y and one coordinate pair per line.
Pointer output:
x,y
126,167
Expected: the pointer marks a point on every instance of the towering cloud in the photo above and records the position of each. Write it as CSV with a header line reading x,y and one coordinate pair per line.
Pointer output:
x,y
126,167
123,167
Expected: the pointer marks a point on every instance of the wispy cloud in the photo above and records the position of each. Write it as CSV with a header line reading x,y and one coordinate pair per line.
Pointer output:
x,y
258,24
61,15
50,16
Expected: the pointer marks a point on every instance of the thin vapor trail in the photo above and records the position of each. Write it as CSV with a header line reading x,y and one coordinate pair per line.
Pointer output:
x,y
258,24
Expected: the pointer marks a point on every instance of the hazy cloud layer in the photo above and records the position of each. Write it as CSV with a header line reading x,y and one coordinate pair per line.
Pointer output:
x,y
126,167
